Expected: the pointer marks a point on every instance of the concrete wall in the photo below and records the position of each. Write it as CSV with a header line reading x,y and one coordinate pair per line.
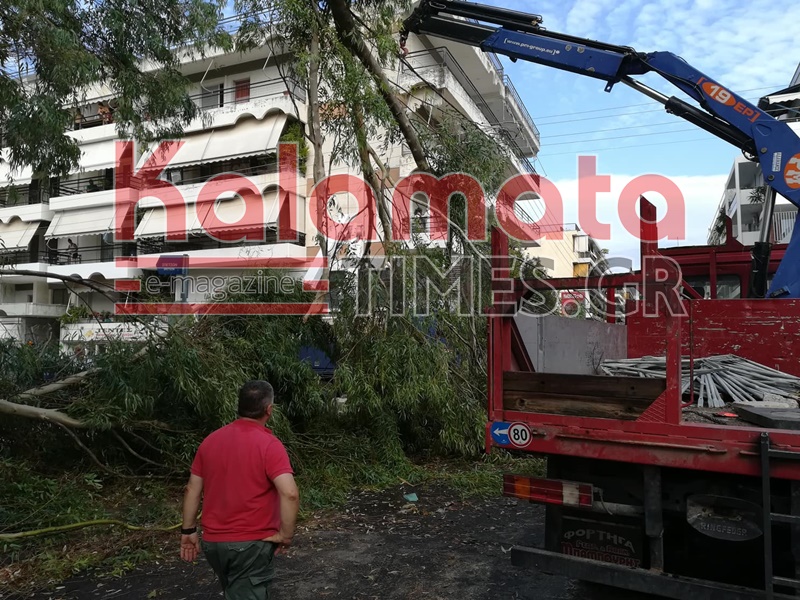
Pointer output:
x,y
563,345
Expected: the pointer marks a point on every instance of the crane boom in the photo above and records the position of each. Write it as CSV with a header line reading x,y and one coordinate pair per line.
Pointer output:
x,y
721,112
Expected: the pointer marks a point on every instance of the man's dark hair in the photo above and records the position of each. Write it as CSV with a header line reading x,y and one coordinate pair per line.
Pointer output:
x,y
254,398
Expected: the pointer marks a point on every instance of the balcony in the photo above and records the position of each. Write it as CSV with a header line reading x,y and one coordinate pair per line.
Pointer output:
x,y
730,201
83,121
14,196
222,106
524,118
83,185
88,254
783,222
10,259
504,110
101,332
32,309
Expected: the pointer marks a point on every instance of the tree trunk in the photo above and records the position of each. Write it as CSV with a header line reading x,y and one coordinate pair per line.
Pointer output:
x,y
369,172
314,120
316,137
34,412
351,38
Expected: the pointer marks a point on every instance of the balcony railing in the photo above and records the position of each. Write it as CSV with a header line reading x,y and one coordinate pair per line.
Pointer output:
x,y
11,258
783,224
22,196
88,254
207,242
512,91
440,58
205,100
32,309
89,121
84,185
268,165
214,99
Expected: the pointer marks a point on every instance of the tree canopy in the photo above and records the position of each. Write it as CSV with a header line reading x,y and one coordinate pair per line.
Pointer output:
x,y
55,52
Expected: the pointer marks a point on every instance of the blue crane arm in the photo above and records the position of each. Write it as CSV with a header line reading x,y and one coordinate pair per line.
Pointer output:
x,y
722,112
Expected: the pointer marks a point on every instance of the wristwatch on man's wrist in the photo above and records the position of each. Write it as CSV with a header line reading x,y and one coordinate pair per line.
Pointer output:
x,y
189,531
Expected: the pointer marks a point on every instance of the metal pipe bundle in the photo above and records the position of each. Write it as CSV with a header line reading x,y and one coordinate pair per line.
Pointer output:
x,y
716,379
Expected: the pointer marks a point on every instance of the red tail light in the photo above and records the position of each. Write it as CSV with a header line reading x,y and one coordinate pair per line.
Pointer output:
x,y
549,491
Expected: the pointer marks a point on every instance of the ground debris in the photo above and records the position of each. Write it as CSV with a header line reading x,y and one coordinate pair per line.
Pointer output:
x,y
447,548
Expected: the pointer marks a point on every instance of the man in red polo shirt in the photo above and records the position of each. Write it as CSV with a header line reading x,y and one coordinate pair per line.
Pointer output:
x,y
250,500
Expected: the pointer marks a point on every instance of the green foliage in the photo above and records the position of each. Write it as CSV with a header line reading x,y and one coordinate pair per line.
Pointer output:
x,y
455,145
29,499
294,133
76,313
758,195
70,47
719,223
26,365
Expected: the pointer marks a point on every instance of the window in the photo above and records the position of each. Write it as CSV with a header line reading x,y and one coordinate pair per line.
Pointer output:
x,y
213,96
242,90
580,269
728,286
60,296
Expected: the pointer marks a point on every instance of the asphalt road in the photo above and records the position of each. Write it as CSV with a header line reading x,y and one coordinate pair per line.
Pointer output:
x,y
380,546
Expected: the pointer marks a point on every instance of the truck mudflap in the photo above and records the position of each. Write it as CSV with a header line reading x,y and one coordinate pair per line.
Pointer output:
x,y
633,579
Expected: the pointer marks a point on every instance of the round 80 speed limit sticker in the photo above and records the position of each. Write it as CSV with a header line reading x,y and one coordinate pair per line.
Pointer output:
x,y
519,435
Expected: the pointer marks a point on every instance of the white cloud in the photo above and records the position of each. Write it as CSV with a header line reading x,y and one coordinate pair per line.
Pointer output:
x,y
717,37
700,196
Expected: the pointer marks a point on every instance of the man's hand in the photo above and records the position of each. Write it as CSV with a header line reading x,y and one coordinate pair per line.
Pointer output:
x,y
190,547
190,544
290,504
282,541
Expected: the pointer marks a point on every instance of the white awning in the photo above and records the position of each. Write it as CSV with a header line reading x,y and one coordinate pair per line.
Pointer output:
x,y
228,215
86,221
153,224
98,155
17,234
249,137
21,176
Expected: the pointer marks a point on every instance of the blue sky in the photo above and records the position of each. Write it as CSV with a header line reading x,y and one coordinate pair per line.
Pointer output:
x,y
749,47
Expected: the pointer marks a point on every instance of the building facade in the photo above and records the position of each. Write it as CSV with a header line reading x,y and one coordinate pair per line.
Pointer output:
x,y
66,226
572,254
743,198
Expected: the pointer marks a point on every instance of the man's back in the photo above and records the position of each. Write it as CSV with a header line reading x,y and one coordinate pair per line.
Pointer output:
x,y
238,464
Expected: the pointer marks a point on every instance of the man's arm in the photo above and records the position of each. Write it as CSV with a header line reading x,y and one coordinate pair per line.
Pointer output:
x,y
190,544
290,504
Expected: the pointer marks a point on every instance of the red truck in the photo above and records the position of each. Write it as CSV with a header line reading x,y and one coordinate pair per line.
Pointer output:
x,y
638,496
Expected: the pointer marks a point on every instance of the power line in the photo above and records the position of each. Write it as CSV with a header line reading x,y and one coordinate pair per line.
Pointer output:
x,y
771,87
622,137
638,112
640,126
576,152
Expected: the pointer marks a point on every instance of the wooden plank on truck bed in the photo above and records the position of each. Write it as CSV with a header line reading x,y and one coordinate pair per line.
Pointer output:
x,y
772,418
593,385
626,409
623,398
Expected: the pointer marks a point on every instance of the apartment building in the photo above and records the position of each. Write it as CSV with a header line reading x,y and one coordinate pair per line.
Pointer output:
x,y
573,254
743,197
66,226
